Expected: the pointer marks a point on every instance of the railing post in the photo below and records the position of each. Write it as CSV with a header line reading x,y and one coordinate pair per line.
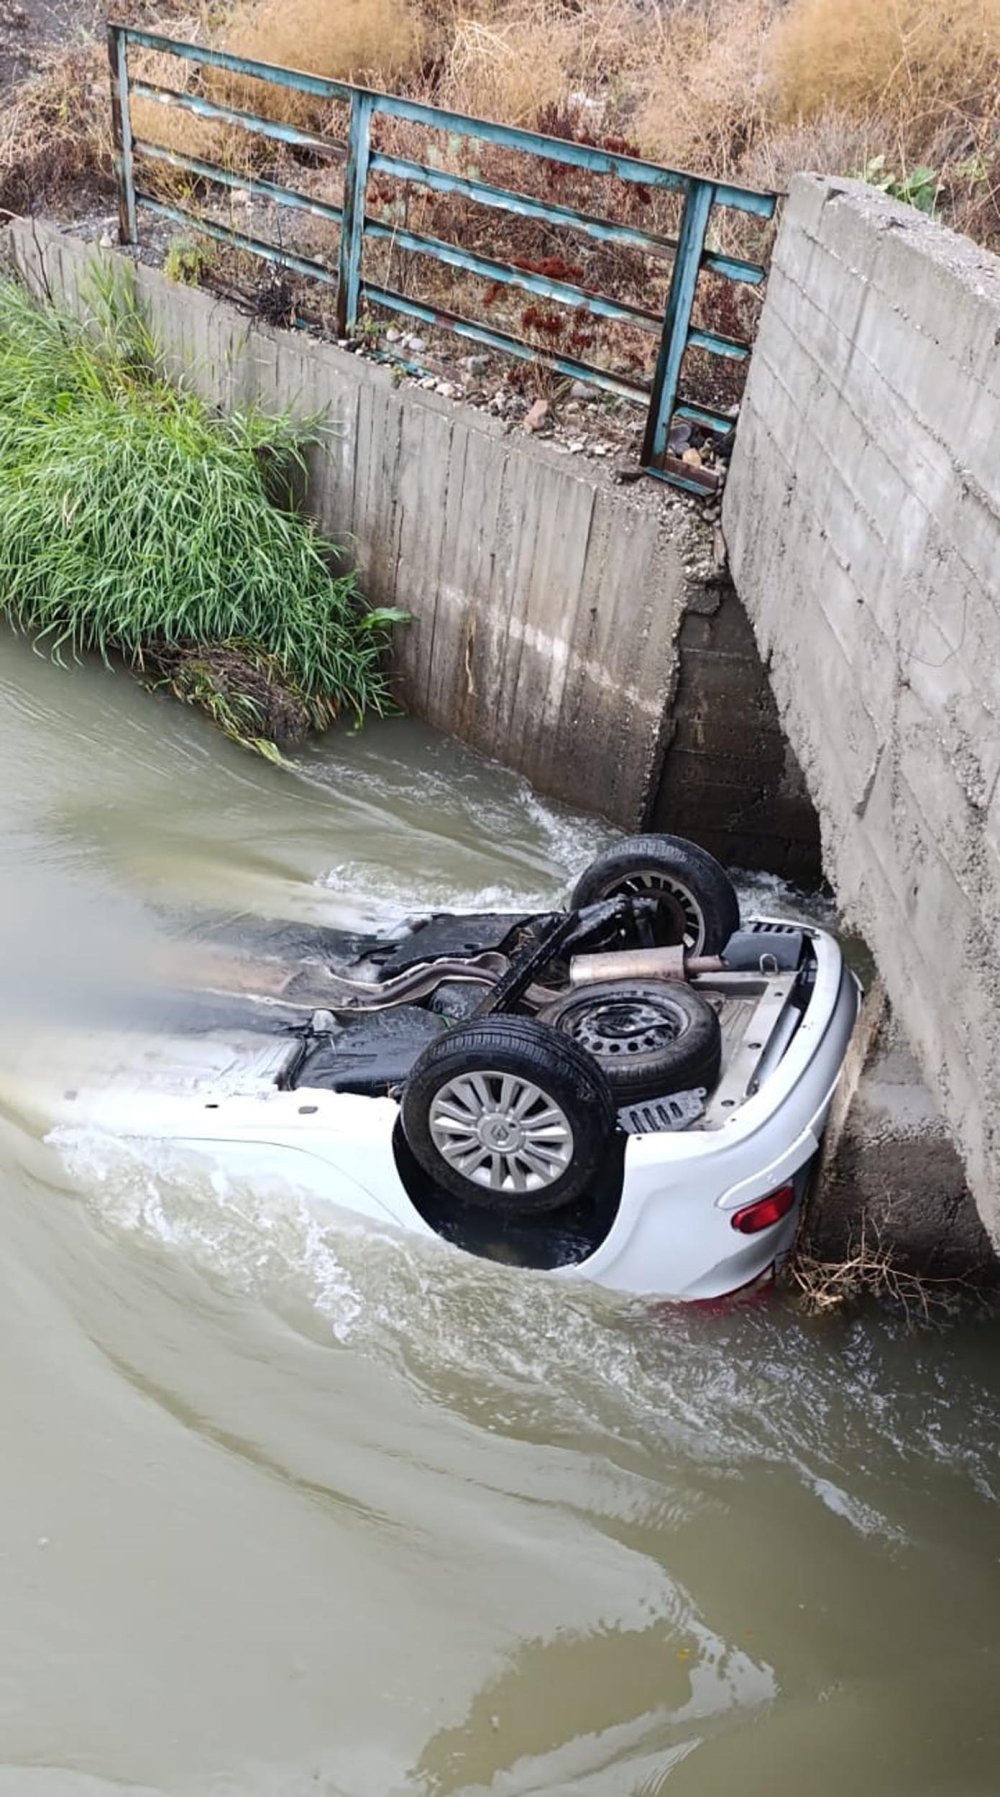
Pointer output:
x,y
121,133
677,318
352,228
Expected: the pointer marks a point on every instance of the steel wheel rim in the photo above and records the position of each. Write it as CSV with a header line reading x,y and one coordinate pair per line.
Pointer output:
x,y
615,1028
681,899
501,1131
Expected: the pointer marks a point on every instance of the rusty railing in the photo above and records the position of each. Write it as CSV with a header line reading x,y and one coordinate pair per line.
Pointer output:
x,y
687,252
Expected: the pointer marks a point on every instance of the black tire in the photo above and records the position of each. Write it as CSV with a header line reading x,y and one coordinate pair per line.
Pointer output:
x,y
530,1055
650,1037
698,907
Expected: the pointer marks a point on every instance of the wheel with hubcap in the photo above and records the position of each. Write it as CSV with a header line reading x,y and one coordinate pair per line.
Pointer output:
x,y
508,1114
650,1037
697,903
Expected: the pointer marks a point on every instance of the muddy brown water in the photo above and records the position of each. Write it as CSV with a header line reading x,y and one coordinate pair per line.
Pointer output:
x,y
288,1508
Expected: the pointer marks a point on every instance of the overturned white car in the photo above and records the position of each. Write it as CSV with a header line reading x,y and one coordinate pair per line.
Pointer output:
x,y
631,1090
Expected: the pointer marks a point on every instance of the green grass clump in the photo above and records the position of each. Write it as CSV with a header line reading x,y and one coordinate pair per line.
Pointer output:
x,y
136,523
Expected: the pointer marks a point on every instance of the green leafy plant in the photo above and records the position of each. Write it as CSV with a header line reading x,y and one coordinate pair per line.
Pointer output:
x,y
187,262
136,523
368,329
919,187
972,170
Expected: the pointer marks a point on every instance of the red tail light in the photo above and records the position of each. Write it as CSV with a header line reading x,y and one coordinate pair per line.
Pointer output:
x,y
764,1211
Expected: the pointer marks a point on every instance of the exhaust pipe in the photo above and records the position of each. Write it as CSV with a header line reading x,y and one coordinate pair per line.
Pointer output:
x,y
641,964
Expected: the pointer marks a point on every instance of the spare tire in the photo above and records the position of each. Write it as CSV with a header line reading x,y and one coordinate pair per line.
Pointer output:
x,y
698,903
649,1037
508,1114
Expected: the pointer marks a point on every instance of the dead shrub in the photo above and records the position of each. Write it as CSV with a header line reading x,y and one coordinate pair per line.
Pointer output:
x,y
515,60
375,42
55,130
832,144
706,96
507,68
919,62
869,1269
177,129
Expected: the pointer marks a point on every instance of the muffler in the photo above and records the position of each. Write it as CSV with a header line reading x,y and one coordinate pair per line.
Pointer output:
x,y
639,964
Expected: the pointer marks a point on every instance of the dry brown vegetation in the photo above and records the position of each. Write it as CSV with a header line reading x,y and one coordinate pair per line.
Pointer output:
x,y
352,40
706,101
922,63
869,1269
375,41
751,90
179,130
55,130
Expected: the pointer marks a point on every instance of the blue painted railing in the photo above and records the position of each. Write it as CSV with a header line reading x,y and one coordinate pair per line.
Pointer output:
x,y
689,252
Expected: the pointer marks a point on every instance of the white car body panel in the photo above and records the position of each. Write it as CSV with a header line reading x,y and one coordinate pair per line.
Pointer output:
x,y
672,1236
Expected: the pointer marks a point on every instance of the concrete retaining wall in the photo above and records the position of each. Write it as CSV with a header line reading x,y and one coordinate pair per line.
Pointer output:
x,y
547,601
730,780
862,519
891,1181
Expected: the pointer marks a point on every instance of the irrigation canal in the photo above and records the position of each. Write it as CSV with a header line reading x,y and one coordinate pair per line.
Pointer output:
x,y
290,1510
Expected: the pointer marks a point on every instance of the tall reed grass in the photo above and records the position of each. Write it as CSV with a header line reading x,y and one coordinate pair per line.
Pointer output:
x,y
136,523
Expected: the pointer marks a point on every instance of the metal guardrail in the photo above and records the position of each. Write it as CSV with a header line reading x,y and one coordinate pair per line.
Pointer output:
x,y
689,252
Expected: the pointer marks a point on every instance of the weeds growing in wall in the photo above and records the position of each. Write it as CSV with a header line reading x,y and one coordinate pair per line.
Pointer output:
x,y
137,524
